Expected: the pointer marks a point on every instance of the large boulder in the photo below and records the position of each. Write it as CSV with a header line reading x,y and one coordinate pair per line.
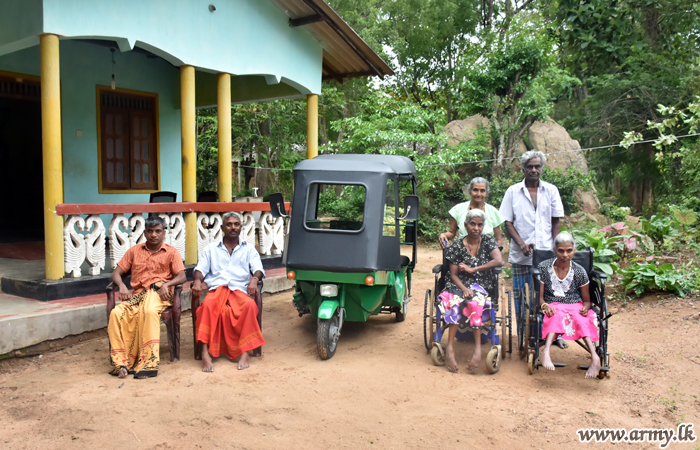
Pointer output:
x,y
553,140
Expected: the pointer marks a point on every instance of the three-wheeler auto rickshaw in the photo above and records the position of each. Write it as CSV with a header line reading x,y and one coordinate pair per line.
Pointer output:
x,y
343,245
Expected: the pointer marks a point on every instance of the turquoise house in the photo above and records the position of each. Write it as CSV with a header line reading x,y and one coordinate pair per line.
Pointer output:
x,y
98,98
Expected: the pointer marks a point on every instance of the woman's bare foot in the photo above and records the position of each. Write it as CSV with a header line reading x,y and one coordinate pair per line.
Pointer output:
x,y
547,360
561,343
450,360
594,368
123,372
243,361
207,364
476,360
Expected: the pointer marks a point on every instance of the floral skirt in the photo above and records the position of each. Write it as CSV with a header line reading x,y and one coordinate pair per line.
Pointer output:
x,y
457,310
568,321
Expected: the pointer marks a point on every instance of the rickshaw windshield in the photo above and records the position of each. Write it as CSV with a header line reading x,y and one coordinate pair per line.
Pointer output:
x,y
335,206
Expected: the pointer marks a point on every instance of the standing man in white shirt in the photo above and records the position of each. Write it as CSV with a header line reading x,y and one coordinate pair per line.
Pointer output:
x,y
227,318
531,209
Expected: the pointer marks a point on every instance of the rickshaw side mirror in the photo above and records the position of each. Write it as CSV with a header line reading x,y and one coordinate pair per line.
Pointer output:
x,y
410,207
277,205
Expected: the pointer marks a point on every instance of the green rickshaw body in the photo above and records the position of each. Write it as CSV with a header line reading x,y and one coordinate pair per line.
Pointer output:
x,y
360,300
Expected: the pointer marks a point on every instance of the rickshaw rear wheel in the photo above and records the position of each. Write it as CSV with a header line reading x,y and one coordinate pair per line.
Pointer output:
x,y
493,360
327,337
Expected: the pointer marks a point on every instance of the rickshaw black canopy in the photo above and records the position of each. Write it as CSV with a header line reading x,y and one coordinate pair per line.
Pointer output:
x,y
366,249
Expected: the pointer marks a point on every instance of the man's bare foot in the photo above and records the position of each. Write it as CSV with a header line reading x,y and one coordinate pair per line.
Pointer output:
x,y
243,361
207,364
594,368
123,372
547,360
450,360
476,360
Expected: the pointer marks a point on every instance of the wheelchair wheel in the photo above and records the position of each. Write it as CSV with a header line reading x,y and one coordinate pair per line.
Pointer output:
x,y
531,362
601,354
428,320
493,359
437,354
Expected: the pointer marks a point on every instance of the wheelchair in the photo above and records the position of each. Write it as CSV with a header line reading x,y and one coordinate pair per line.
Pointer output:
x,y
495,329
531,316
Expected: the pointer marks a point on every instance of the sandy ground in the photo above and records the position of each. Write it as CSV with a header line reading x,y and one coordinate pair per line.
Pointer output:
x,y
380,390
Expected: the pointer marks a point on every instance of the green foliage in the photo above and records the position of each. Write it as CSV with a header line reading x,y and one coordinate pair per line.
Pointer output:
x,y
604,248
613,212
348,205
645,276
658,227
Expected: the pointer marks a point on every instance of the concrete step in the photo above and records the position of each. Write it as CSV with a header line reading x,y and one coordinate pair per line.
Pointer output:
x,y
25,322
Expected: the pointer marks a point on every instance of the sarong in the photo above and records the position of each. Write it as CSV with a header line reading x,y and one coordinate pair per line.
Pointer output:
x,y
456,310
134,333
521,277
568,321
227,322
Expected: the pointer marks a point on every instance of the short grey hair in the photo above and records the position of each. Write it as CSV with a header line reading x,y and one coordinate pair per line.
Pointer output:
x,y
472,213
479,180
230,214
532,154
562,238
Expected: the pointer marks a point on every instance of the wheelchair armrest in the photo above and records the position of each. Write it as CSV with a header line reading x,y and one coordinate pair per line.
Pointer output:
x,y
437,269
600,275
535,270
498,269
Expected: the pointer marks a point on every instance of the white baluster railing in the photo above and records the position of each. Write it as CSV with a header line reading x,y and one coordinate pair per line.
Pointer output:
x,y
85,238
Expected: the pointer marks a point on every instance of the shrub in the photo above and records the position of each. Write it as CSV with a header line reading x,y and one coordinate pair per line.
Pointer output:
x,y
614,213
646,276
604,255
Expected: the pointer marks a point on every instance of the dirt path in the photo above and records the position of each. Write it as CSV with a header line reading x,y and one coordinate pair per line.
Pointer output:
x,y
380,390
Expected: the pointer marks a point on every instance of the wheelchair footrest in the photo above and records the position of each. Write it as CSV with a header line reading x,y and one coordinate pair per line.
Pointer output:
x,y
559,364
602,369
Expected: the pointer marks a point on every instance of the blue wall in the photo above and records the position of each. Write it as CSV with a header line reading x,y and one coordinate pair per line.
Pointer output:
x,y
83,67
242,37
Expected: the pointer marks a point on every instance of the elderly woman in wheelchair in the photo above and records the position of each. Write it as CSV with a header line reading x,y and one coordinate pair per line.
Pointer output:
x,y
471,277
566,304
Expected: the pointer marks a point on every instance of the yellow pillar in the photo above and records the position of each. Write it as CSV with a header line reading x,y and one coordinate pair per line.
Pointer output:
x,y
188,130
311,126
52,154
224,125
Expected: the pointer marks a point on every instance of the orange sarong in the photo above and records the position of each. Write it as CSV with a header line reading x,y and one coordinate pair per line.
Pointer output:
x,y
227,322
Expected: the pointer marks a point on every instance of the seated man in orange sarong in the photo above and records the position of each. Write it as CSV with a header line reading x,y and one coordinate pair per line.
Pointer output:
x,y
227,318
134,324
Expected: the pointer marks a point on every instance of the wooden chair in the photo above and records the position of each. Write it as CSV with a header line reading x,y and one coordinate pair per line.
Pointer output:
x,y
163,197
195,305
171,316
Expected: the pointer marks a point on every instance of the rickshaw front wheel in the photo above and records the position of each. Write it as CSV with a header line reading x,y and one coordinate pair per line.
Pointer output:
x,y
327,336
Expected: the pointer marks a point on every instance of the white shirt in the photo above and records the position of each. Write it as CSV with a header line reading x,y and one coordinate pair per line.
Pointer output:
x,y
234,270
533,226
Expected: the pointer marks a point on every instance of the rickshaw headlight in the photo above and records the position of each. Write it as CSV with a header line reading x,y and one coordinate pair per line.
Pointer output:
x,y
329,290
369,281
291,275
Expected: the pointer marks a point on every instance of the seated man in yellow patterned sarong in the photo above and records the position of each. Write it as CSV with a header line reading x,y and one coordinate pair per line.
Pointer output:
x,y
134,324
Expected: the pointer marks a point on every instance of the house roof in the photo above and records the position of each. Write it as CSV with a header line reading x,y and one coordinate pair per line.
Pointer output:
x,y
345,54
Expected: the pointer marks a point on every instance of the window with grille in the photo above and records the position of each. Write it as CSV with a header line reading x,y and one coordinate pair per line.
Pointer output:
x,y
128,141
